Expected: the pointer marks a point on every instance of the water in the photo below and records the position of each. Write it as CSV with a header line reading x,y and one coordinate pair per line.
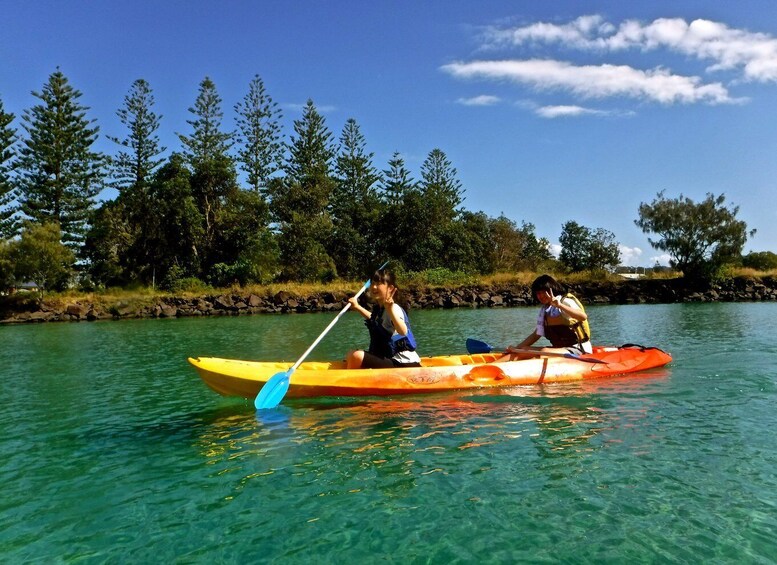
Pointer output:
x,y
114,450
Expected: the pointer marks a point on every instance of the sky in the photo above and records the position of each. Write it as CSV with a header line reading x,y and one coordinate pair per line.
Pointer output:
x,y
550,111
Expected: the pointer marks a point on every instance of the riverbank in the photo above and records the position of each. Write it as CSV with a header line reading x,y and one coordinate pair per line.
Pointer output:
x,y
497,295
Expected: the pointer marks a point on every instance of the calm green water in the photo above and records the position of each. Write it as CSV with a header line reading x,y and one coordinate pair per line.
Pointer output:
x,y
115,452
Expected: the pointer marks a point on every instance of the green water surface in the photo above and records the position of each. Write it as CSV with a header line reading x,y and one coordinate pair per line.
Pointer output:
x,y
115,452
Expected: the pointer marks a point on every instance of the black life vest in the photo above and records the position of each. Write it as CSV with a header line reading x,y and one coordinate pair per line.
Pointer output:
x,y
565,332
385,343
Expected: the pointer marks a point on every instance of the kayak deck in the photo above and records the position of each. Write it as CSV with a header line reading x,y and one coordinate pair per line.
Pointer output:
x,y
232,377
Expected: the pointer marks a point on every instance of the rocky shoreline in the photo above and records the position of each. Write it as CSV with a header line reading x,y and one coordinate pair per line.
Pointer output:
x,y
645,291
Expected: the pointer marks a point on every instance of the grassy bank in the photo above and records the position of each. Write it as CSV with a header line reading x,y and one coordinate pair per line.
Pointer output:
x,y
137,297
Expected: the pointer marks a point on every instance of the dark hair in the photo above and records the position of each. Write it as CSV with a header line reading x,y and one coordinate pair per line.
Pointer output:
x,y
388,277
384,275
546,282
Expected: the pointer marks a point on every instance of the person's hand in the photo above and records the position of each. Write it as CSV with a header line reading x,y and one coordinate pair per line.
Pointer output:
x,y
390,292
354,301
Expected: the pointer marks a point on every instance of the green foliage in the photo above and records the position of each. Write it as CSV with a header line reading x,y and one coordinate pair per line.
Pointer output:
x,y
139,157
108,245
259,135
299,201
760,260
6,265
8,206
59,173
700,238
355,205
585,249
207,141
176,281
39,256
174,229
514,248
437,277
440,188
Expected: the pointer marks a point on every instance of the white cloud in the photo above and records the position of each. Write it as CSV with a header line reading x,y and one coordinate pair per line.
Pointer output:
x,y
595,81
566,111
630,255
555,249
753,54
482,100
661,260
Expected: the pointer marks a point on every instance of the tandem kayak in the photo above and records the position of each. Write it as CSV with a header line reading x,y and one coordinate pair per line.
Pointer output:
x,y
231,377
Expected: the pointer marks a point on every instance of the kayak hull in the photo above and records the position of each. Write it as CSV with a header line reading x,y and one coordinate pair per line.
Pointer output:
x,y
232,377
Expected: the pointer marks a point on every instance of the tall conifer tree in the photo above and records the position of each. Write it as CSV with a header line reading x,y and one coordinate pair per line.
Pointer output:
x,y
214,179
8,227
440,187
59,173
139,158
207,141
355,204
399,197
259,134
299,201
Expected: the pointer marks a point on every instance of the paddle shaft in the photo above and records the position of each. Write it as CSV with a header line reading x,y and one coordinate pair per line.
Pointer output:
x,y
331,324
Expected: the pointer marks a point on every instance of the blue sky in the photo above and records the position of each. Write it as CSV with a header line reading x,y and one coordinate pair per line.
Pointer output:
x,y
550,111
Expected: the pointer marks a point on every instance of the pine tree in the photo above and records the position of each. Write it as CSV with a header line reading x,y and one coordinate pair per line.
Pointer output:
x,y
440,187
214,179
299,201
433,211
207,140
396,180
59,173
8,227
355,205
397,222
259,134
133,166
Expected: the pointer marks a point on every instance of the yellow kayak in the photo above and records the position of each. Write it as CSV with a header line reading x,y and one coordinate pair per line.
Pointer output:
x,y
231,377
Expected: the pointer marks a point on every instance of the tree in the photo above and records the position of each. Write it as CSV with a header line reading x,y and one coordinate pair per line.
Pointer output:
x,y
760,260
215,178
299,202
700,238
355,205
584,249
6,265
134,165
59,173
8,206
38,255
397,193
207,140
514,248
259,134
431,211
108,244
440,188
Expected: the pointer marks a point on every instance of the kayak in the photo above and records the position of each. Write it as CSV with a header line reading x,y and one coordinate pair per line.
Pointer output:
x,y
232,377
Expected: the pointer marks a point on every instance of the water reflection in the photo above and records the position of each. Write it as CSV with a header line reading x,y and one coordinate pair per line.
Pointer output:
x,y
337,446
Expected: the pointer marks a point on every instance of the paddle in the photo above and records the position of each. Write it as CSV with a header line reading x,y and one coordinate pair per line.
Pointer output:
x,y
476,346
276,386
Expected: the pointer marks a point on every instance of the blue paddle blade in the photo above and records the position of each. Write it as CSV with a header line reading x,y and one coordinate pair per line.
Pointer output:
x,y
475,346
273,391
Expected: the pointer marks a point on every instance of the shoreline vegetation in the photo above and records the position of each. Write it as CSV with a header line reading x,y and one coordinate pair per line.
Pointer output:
x,y
483,292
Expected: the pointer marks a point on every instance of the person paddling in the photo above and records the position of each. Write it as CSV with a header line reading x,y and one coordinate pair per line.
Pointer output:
x,y
561,320
391,340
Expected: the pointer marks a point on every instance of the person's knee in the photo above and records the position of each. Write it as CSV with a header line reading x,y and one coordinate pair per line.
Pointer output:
x,y
355,359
